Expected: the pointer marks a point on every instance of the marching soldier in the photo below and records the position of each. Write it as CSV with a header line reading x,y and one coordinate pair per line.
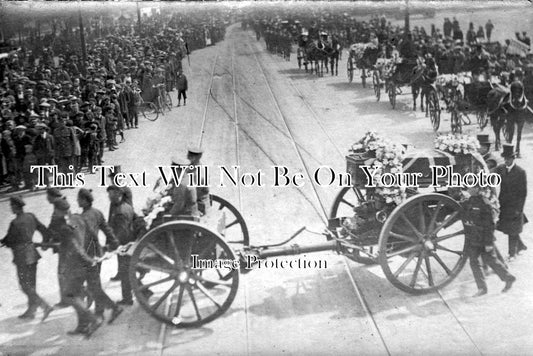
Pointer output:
x,y
480,216
184,198
513,192
73,257
95,221
25,256
194,155
121,216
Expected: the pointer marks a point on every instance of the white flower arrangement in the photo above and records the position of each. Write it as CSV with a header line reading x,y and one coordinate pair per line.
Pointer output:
x,y
389,159
457,144
157,204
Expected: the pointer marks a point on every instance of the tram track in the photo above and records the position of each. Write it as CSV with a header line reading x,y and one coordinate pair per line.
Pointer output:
x,y
348,270
324,216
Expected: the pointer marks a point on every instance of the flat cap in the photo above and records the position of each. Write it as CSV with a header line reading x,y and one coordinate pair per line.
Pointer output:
x,y
54,192
17,201
61,204
86,194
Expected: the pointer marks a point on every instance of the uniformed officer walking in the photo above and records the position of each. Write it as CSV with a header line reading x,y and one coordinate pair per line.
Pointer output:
x,y
479,218
513,192
25,256
73,257
95,221
194,155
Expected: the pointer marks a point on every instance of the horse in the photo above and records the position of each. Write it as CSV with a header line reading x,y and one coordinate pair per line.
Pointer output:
x,y
507,109
333,50
316,56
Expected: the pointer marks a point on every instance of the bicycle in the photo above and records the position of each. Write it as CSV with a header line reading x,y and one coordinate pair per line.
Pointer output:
x,y
163,97
148,110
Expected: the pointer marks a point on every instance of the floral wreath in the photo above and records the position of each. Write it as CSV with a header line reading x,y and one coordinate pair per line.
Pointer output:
x,y
388,159
457,144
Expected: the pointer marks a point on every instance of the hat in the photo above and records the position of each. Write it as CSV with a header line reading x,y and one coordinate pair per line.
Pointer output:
x,y
54,192
20,127
178,160
61,204
86,194
44,105
484,139
17,201
40,125
508,151
197,150
116,169
114,187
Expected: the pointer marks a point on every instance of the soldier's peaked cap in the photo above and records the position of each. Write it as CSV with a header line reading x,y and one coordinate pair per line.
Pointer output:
x,y
61,204
195,150
54,192
17,201
116,169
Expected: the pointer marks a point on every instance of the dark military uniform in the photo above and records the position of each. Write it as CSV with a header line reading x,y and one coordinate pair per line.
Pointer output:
x,y
513,192
25,255
120,220
95,221
479,230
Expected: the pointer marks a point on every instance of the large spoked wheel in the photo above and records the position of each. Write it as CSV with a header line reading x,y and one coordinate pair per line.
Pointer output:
x,y
377,84
392,94
433,107
149,111
345,201
174,290
235,229
482,119
422,243
456,122
349,69
363,77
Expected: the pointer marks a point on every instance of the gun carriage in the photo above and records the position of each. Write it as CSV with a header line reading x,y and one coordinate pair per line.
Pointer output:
x,y
183,270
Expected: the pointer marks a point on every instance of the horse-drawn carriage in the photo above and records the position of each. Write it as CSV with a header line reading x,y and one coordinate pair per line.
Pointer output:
x,y
421,79
361,56
185,271
318,53
464,96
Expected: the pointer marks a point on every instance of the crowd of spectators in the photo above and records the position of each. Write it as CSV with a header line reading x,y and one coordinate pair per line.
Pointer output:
x,y
57,108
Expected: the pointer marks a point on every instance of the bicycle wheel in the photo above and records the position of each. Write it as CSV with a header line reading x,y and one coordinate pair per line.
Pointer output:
x,y
149,111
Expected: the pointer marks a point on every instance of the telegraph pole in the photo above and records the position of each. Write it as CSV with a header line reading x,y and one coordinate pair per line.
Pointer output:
x,y
82,39
139,17
406,28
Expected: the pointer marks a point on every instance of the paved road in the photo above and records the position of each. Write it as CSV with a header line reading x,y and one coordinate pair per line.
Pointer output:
x,y
262,111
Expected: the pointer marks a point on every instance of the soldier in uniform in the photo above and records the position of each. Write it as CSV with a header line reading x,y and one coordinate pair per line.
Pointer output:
x,y
95,221
25,256
513,192
480,216
73,257
194,155
121,216
484,151
184,198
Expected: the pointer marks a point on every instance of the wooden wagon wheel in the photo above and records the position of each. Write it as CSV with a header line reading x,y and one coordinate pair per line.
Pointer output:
x,y
235,229
391,88
433,107
345,201
377,84
349,69
173,290
482,119
422,243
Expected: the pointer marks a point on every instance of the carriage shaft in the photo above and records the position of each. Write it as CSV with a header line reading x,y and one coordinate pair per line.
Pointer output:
x,y
297,249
